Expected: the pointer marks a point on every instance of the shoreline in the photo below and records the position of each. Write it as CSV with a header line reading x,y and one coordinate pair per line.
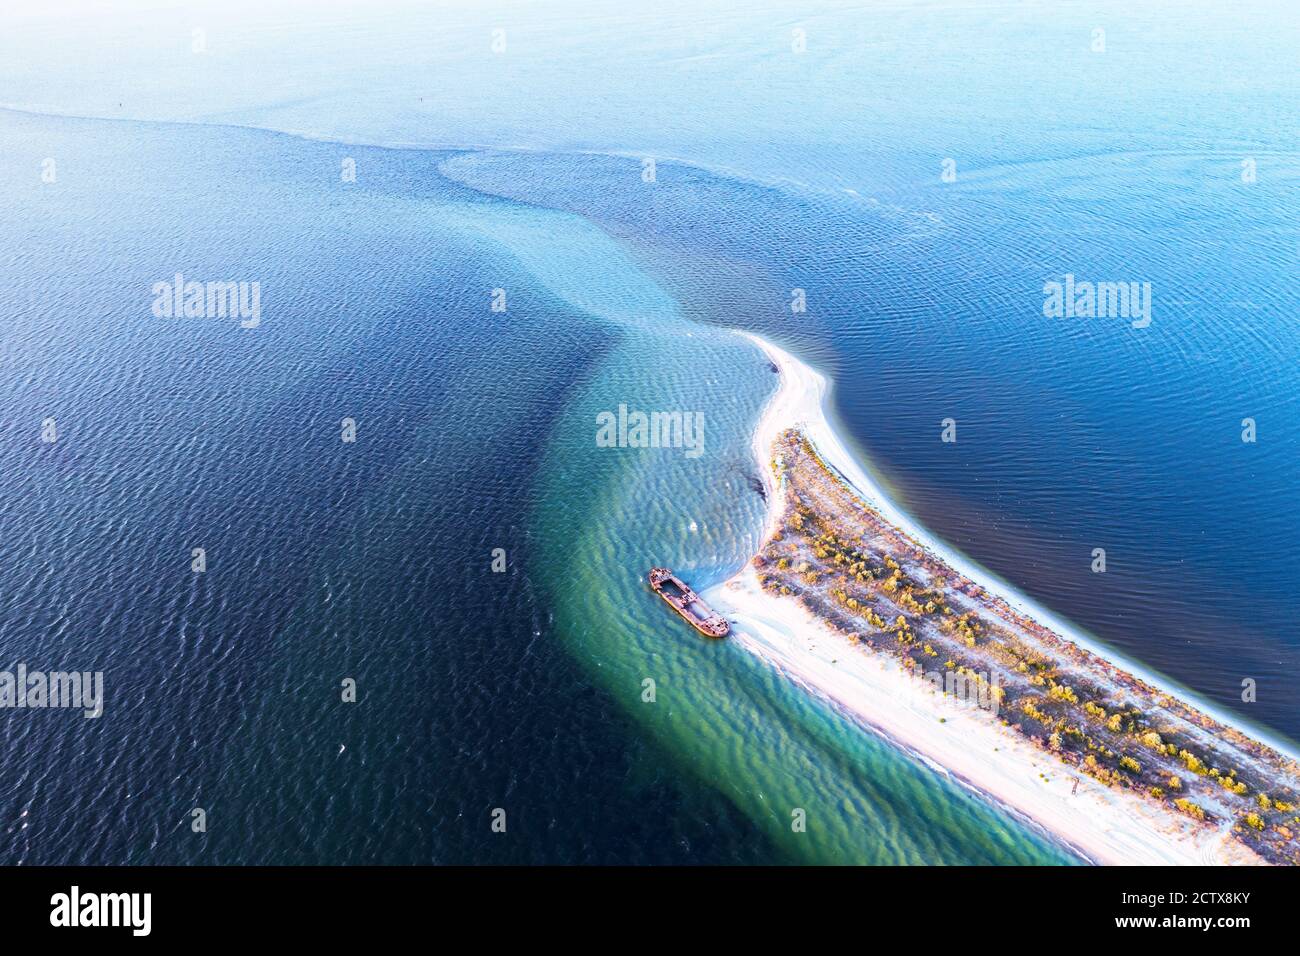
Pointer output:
x,y
1100,824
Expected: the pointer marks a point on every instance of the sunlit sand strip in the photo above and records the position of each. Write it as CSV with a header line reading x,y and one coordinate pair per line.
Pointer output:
x,y
1105,825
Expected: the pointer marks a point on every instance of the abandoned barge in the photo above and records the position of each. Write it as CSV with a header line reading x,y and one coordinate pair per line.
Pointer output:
x,y
687,603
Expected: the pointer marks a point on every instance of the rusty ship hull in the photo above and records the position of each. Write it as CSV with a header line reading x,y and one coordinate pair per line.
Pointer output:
x,y
678,595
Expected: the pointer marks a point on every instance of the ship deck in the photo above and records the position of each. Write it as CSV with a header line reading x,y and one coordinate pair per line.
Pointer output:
x,y
679,596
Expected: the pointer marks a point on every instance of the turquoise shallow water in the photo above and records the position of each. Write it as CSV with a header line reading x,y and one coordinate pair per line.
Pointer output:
x,y
817,171
725,719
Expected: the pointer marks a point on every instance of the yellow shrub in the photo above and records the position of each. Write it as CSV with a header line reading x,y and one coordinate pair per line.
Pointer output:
x,y
1062,692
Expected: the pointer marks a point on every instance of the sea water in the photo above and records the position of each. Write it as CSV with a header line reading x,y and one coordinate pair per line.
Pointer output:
x,y
824,170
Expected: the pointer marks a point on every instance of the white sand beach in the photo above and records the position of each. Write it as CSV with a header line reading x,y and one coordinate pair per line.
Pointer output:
x,y
1104,825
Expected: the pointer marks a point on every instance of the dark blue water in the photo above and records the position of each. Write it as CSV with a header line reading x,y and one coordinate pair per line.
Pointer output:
x,y
325,560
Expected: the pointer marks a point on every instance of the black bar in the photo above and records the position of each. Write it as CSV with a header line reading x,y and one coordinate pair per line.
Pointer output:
x,y
337,905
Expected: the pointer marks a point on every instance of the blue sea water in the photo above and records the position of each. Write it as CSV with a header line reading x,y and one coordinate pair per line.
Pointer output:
x,y
371,560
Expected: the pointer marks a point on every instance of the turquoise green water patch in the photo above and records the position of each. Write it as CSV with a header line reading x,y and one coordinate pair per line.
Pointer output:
x,y
716,714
